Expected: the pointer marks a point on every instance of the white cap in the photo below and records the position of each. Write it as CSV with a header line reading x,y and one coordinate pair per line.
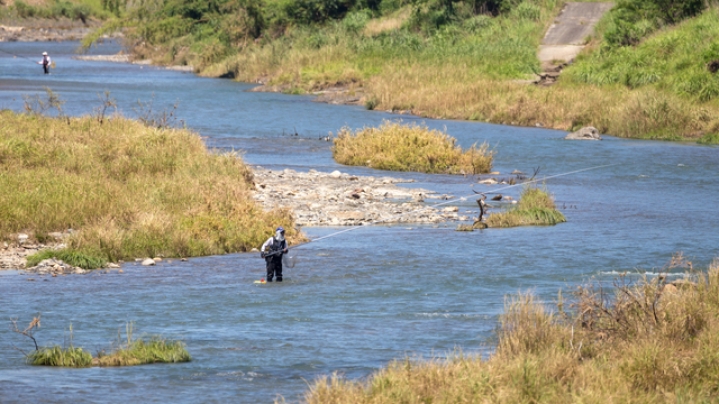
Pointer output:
x,y
44,53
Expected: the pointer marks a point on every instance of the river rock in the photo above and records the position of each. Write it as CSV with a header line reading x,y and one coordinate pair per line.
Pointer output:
x,y
322,199
586,133
148,262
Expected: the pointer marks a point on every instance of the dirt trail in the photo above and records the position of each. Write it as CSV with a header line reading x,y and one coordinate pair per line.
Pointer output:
x,y
566,37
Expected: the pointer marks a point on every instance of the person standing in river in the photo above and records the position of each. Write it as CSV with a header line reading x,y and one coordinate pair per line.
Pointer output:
x,y
45,62
482,207
272,251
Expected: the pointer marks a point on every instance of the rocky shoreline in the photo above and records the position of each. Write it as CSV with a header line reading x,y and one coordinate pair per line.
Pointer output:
x,y
340,199
315,198
43,30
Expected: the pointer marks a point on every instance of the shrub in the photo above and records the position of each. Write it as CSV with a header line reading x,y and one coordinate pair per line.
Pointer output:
x,y
633,20
398,147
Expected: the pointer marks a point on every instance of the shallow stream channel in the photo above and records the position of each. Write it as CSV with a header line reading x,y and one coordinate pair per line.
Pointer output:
x,y
356,301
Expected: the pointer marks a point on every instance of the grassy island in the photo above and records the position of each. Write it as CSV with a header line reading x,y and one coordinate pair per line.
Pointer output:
x,y
398,147
128,190
535,208
646,73
130,353
640,342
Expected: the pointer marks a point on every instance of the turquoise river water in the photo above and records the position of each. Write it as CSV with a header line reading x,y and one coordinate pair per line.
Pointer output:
x,y
356,301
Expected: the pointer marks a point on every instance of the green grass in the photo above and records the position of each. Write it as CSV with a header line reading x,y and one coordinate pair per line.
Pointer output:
x,y
458,64
711,138
81,10
639,342
535,208
130,353
70,257
140,352
128,190
674,59
399,147
58,356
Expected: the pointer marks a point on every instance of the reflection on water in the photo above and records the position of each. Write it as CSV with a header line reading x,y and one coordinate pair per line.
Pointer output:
x,y
355,301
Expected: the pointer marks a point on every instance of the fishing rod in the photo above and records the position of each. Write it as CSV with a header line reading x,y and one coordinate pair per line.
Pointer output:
x,y
462,198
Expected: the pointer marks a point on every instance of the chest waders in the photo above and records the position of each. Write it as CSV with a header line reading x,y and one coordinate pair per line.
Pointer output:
x,y
274,262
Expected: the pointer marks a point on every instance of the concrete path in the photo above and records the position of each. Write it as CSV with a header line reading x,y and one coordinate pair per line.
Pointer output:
x,y
566,37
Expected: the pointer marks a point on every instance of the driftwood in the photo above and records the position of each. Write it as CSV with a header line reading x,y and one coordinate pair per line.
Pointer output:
x,y
29,331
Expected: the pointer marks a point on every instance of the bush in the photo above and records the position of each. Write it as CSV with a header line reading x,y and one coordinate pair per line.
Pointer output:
x,y
633,20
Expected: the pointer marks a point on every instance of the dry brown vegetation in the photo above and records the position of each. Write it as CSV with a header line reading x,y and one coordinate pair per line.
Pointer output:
x,y
127,189
399,147
631,342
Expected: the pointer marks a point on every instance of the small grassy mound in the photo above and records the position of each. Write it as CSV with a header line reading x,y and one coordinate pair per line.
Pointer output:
x,y
70,257
139,352
58,356
130,353
643,342
129,190
535,208
397,147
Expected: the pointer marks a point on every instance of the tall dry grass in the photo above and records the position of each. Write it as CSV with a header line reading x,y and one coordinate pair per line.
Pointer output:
x,y
400,147
636,342
128,190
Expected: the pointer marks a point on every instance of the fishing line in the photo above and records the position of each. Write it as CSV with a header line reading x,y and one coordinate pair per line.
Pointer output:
x,y
461,198
18,56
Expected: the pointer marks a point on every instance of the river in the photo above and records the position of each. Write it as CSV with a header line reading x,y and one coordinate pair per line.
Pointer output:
x,y
356,301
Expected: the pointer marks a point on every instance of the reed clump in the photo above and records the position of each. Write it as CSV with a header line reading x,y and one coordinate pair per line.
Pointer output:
x,y
127,189
535,208
72,357
130,352
399,147
140,352
70,257
643,341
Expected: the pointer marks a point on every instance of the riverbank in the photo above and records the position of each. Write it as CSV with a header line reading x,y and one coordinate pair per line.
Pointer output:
x,y
652,341
128,190
461,63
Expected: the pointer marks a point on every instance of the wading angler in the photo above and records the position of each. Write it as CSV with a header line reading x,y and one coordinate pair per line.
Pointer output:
x,y
272,251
